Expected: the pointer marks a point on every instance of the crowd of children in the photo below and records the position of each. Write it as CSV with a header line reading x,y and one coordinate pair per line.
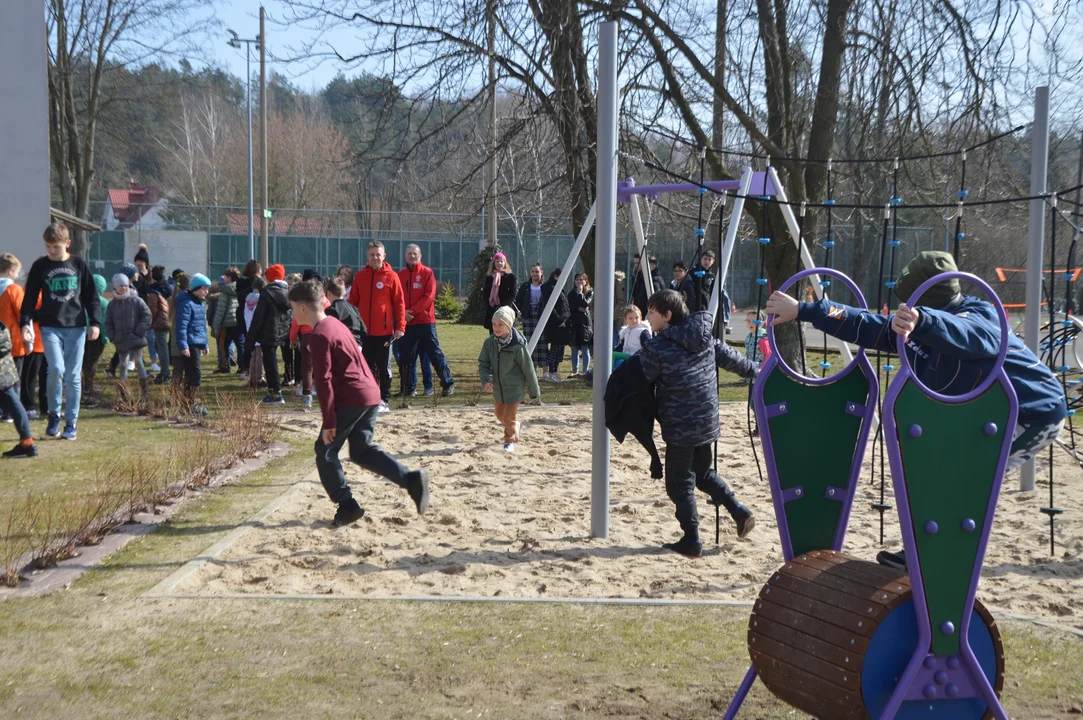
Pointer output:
x,y
335,338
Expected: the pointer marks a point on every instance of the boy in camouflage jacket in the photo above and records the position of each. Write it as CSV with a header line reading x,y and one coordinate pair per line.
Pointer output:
x,y
681,359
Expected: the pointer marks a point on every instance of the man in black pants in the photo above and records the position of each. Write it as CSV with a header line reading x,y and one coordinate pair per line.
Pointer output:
x,y
377,294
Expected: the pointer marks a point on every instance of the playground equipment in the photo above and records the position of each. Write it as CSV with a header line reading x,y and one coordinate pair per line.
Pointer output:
x,y
839,637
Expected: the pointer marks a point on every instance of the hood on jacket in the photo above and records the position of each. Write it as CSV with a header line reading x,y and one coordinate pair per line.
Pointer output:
x,y
100,283
277,296
161,288
228,289
694,334
5,283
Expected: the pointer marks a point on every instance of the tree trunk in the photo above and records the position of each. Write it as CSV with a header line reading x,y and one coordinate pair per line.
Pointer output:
x,y
718,124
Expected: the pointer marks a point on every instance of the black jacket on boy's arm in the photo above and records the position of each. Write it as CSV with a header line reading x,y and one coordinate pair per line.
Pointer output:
x,y
630,408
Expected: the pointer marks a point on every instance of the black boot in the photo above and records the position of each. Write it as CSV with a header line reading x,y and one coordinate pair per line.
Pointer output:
x,y
741,515
348,513
417,484
689,545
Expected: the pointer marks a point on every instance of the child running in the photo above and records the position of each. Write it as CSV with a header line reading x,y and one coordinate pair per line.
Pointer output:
x,y
952,341
681,358
70,313
506,371
635,333
349,400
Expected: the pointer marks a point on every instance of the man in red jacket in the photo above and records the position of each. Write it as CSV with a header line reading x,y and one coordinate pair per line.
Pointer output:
x,y
349,402
419,286
377,295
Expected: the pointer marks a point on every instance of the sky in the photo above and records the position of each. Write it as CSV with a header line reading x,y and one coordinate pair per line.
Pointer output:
x,y
242,16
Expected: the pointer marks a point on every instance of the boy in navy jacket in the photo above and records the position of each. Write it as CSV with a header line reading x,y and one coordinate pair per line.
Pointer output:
x,y
681,359
952,344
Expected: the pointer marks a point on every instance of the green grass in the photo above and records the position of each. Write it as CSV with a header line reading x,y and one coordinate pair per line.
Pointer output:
x,y
98,650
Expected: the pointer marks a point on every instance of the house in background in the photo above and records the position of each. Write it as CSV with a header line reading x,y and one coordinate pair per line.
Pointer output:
x,y
137,206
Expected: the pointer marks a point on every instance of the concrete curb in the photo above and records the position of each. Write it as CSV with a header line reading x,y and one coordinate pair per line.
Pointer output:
x,y
43,582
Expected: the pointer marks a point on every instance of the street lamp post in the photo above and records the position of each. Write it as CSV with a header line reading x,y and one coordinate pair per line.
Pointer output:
x,y
235,42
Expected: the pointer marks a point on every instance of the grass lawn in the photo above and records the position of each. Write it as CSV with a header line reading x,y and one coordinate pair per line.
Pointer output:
x,y
98,650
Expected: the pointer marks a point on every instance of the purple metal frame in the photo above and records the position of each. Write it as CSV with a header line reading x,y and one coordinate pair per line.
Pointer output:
x,y
764,413
626,189
779,498
924,664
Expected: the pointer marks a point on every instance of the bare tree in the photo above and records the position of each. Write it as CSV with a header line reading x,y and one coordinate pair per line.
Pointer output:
x,y
87,41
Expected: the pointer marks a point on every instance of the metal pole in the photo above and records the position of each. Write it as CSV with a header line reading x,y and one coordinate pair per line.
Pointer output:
x,y
251,200
730,240
490,163
1039,166
264,249
605,259
565,273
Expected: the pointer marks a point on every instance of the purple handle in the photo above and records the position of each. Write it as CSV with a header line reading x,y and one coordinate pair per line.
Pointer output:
x,y
771,331
1004,338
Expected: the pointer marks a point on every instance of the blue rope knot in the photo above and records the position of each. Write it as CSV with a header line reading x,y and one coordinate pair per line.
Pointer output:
x,y
765,241
889,368
825,283
1064,368
700,231
825,365
896,200
765,198
1068,276
890,283
829,202
1066,323
963,193
703,191
1071,412
829,243
960,236
757,322
894,243
761,281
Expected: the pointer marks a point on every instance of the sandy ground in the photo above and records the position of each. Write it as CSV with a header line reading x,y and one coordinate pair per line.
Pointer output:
x,y
519,526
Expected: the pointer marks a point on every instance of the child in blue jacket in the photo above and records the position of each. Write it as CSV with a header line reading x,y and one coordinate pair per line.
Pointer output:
x,y
681,360
191,329
952,342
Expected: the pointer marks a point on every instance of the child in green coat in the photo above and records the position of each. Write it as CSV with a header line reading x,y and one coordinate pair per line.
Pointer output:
x,y
506,371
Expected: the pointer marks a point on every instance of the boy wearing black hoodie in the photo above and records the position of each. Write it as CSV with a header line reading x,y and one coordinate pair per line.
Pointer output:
x,y
70,313
271,329
681,359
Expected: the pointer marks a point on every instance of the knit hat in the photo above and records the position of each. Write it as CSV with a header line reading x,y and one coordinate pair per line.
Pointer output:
x,y
120,280
142,254
505,315
177,272
198,280
927,265
500,255
310,274
130,270
275,272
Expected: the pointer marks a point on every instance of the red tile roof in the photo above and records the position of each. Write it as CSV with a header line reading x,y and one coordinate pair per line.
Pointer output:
x,y
132,203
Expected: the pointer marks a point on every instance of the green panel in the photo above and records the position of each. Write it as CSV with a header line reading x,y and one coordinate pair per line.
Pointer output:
x,y
106,253
950,471
814,442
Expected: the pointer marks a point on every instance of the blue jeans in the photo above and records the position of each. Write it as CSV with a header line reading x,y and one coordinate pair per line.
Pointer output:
x,y
422,340
64,353
577,352
161,342
410,374
13,407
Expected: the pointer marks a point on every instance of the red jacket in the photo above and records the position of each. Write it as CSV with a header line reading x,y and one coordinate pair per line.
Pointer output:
x,y
419,285
377,295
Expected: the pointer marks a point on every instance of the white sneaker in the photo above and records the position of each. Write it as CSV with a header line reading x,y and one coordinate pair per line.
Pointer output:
x,y
545,376
307,402
300,391
509,447
384,408
155,368
556,379
131,365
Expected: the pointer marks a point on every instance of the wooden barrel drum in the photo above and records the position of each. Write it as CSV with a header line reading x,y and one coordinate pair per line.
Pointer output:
x,y
831,635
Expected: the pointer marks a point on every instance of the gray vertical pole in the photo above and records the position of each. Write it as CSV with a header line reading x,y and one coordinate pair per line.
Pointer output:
x,y
1039,166
605,268
251,196
264,225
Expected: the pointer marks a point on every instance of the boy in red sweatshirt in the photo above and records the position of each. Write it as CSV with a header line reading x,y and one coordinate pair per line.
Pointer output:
x,y
349,401
377,294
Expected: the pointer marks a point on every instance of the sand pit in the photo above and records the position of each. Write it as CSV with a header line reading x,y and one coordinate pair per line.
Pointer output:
x,y
518,527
